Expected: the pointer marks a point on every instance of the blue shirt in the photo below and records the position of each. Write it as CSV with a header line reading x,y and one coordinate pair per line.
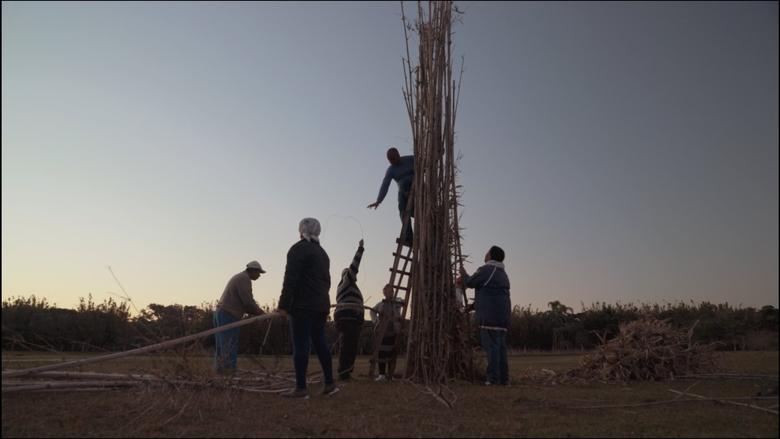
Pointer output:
x,y
402,173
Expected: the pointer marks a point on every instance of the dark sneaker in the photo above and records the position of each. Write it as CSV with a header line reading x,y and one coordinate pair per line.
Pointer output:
x,y
345,378
330,389
297,393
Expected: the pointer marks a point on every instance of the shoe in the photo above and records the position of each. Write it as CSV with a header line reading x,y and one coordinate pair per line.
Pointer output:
x,y
380,378
330,389
345,378
488,383
297,393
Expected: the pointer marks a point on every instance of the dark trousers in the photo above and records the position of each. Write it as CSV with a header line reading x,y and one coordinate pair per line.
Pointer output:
x,y
308,330
494,345
403,199
387,355
349,337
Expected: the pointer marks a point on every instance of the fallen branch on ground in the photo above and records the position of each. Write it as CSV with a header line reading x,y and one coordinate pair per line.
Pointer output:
x,y
726,401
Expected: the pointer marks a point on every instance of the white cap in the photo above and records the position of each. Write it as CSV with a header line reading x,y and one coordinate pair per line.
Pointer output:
x,y
255,265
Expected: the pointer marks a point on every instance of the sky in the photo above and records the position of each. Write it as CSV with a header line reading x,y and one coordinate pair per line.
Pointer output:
x,y
618,152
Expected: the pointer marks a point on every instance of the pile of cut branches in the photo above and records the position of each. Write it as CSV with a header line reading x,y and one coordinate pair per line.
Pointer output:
x,y
646,350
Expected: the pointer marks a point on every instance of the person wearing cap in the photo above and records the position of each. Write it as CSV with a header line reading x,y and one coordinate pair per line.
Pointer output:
x,y
401,170
493,312
236,300
305,299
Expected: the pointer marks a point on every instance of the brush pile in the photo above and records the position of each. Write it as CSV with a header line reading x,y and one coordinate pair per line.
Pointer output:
x,y
646,350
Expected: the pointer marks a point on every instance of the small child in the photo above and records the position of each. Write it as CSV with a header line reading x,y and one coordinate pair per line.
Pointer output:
x,y
389,308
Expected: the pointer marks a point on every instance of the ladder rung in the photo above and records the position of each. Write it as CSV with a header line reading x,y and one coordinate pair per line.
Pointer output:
x,y
401,288
400,272
401,256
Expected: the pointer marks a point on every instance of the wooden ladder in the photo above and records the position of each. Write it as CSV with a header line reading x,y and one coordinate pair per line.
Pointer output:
x,y
400,279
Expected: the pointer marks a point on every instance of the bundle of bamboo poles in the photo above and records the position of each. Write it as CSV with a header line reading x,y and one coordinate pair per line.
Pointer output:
x,y
646,349
51,378
57,381
181,374
438,348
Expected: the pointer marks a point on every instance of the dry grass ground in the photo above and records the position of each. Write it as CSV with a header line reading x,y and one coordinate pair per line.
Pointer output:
x,y
365,408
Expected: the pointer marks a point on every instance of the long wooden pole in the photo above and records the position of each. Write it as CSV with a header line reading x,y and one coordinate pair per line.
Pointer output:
x,y
68,385
150,348
92,375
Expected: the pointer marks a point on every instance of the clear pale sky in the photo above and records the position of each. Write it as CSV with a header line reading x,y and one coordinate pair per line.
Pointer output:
x,y
616,151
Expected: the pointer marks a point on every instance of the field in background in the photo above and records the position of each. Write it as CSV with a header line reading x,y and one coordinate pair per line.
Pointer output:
x,y
366,408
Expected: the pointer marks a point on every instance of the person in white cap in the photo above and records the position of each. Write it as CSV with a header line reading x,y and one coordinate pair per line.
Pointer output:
x,y
235,301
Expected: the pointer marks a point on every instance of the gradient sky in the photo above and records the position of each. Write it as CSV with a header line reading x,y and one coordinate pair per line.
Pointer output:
x,y
617,151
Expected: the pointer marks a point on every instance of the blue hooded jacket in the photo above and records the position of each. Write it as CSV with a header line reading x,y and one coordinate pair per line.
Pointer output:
x,y
491,300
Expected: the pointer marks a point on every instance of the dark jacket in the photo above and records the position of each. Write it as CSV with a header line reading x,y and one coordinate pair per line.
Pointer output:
x,y
491,300
348,293
306,280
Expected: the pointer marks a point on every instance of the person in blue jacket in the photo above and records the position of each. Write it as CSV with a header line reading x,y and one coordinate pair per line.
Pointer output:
x,y
493,308
401,170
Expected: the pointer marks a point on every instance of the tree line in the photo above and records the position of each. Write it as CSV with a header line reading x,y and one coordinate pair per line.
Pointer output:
x,y
32,323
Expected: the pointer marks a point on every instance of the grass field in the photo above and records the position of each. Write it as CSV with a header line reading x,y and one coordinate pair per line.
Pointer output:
x,y
365,408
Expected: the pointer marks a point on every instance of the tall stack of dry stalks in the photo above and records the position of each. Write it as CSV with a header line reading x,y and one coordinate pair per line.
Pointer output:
x,y
438,350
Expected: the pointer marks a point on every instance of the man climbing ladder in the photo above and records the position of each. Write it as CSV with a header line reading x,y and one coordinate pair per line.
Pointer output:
x,y
401,170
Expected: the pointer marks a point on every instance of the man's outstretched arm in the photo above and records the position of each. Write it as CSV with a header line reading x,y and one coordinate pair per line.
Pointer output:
x,y
383,189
